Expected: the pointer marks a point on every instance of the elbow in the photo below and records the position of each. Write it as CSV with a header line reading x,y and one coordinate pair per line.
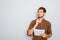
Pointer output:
x,y
29,34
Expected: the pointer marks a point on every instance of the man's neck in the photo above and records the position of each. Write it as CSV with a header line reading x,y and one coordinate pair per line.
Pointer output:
x,y
41,18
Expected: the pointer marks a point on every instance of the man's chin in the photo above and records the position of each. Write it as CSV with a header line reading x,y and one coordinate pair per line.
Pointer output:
x,y
40,17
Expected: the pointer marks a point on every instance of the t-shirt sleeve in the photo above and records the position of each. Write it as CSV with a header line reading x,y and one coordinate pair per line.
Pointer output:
x,y
49,30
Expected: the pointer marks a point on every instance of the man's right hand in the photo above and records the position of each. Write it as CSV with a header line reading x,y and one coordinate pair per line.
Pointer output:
x,y
37,22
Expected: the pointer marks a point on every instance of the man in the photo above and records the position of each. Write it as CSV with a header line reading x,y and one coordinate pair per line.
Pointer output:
x,y
40,23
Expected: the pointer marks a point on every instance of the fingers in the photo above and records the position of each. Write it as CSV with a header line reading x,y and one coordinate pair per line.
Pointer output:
x,y
35,24
44,35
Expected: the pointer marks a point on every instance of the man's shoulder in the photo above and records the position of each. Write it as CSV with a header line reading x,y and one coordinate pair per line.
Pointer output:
x,y
33,20
47,21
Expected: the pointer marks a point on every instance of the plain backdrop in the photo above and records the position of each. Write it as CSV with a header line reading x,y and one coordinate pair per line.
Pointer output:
x,y
16,15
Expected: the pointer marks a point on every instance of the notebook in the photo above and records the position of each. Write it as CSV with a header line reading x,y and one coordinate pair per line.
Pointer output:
x,y
37,32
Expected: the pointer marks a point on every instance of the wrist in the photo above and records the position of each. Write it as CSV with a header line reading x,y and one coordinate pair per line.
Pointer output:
x,y
46,35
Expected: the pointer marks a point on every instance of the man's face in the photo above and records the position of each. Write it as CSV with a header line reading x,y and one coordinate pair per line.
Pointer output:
x,y
41,13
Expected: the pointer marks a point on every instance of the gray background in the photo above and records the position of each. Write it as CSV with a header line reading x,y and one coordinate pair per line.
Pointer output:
x,y
16,15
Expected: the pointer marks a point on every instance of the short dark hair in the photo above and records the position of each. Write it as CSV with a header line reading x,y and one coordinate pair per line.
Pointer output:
x,y
44,10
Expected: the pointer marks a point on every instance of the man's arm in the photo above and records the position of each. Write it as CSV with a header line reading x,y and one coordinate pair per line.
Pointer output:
x,y
49,31
32,26
30,30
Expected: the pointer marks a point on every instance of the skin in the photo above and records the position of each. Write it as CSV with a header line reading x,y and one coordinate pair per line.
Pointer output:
x,y
41,15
